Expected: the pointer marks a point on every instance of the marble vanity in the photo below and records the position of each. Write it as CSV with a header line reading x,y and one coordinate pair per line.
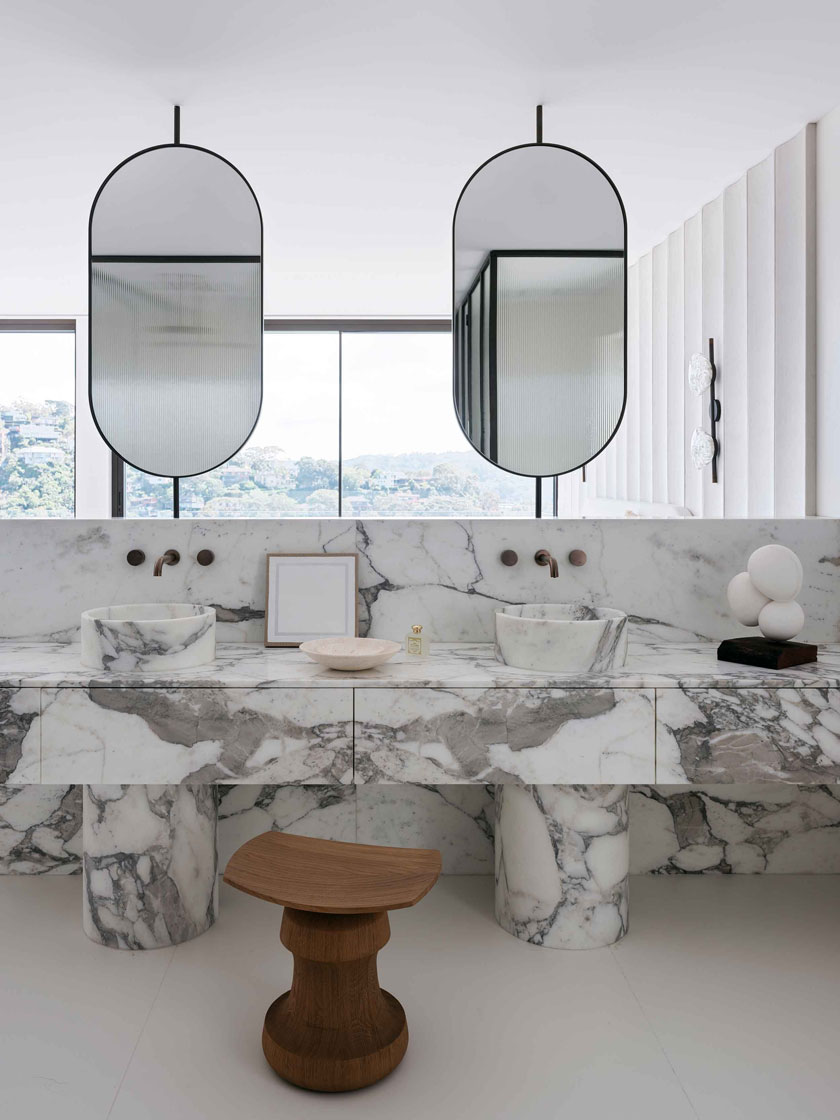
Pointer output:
x,y
561,748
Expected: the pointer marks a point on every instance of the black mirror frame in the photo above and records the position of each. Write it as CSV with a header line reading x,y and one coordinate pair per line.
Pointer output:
x,y
455,333
103,184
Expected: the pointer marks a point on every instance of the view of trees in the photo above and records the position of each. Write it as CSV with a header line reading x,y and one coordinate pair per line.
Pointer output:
x,y
36,459
263,482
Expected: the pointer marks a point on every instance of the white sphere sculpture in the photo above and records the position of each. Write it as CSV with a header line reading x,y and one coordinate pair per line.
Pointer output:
x,y
745,601
776,572
781,621
765,594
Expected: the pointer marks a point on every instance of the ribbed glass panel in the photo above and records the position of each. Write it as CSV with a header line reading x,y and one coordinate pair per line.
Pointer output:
x,y
560,360
176,361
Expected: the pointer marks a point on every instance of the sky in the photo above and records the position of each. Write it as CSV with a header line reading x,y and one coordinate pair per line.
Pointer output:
x,y
37,367
397,395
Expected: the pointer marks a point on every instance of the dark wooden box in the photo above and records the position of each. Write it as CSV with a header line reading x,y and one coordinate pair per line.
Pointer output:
x,y
765,653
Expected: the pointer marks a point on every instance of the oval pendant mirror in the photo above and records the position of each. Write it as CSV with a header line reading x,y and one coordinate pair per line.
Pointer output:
x,y
176,317
539,247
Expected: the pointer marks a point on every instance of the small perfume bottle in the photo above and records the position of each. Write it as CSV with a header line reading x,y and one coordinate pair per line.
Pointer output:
x,y
416,642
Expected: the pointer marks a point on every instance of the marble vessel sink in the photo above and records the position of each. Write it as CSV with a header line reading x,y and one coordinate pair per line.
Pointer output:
x,y
148,637
561,637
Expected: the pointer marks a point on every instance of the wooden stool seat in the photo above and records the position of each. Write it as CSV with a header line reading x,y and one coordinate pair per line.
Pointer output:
x,y
335,1029
328,877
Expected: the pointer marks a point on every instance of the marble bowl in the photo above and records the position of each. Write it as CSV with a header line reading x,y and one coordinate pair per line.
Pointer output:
x,y
561,637
148,637
348,654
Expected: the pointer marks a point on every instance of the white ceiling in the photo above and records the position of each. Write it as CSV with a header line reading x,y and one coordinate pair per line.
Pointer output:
x,y
357,122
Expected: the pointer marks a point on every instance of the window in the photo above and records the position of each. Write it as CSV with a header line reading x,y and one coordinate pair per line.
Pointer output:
x,y
357,419
289,467
404,454
37,418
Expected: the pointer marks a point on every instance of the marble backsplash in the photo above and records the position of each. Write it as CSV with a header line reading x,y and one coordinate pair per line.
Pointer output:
x,y
40,830
444,574
674,830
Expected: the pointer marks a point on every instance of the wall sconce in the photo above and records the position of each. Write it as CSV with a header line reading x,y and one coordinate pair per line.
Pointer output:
x,y
702,374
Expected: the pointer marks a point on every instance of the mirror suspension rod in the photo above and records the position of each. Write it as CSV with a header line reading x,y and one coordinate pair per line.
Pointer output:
x,y
538,498
555,496
539,124
176,497
177,124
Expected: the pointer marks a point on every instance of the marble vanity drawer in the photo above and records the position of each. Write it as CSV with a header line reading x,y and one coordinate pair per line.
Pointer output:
x,y
551,735
19,741
748,735
244,736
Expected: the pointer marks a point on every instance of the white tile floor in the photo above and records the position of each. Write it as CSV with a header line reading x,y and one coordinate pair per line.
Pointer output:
x,y
723,1003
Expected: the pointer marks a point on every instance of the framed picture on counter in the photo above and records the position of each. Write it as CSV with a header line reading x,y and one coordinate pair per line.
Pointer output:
x,y
311,595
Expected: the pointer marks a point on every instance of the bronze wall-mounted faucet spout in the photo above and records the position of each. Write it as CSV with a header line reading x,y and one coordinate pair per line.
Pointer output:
x,y
544,557
171,556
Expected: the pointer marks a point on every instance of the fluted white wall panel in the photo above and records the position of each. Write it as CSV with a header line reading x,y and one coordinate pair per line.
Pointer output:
x,y
742,272
828,319
659,373
675,360
735,496
631,421
713,328
692,343
761,342
795,383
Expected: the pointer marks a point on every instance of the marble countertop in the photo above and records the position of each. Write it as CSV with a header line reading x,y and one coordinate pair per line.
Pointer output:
x,y
650,664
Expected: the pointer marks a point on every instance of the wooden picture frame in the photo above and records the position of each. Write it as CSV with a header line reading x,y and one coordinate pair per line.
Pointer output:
x,y
310,595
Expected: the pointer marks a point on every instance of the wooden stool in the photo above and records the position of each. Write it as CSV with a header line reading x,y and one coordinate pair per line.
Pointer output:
x,y
336,1029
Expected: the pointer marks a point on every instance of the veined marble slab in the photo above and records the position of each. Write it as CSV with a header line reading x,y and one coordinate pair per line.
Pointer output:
x,y
260,716
20,761
530,735
448,575
40,830
51,571
674,830
325,812
748,735
651,663
733,829
562,861
249,736
445,574
149,864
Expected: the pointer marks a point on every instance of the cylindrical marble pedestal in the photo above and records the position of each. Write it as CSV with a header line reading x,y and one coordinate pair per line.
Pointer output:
x,y
562,862
149,864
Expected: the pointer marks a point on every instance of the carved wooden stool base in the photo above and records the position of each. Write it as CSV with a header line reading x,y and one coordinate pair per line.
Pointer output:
x,y
336,1029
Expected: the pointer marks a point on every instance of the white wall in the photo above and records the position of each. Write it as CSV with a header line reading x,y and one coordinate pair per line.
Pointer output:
x,y
828,319
742,271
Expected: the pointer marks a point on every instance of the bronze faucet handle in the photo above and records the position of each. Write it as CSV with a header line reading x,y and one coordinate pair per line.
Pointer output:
x,y
543,557
171,556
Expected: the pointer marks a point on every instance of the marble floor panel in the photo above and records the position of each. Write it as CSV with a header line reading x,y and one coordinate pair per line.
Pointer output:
x,y
721,1003
741,984
71,1012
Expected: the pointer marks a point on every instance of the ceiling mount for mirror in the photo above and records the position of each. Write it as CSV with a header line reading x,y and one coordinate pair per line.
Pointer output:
x,y
539,302
176,309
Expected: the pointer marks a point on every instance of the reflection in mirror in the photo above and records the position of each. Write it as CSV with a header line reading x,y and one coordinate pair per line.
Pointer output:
x,y
175,310
539,287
